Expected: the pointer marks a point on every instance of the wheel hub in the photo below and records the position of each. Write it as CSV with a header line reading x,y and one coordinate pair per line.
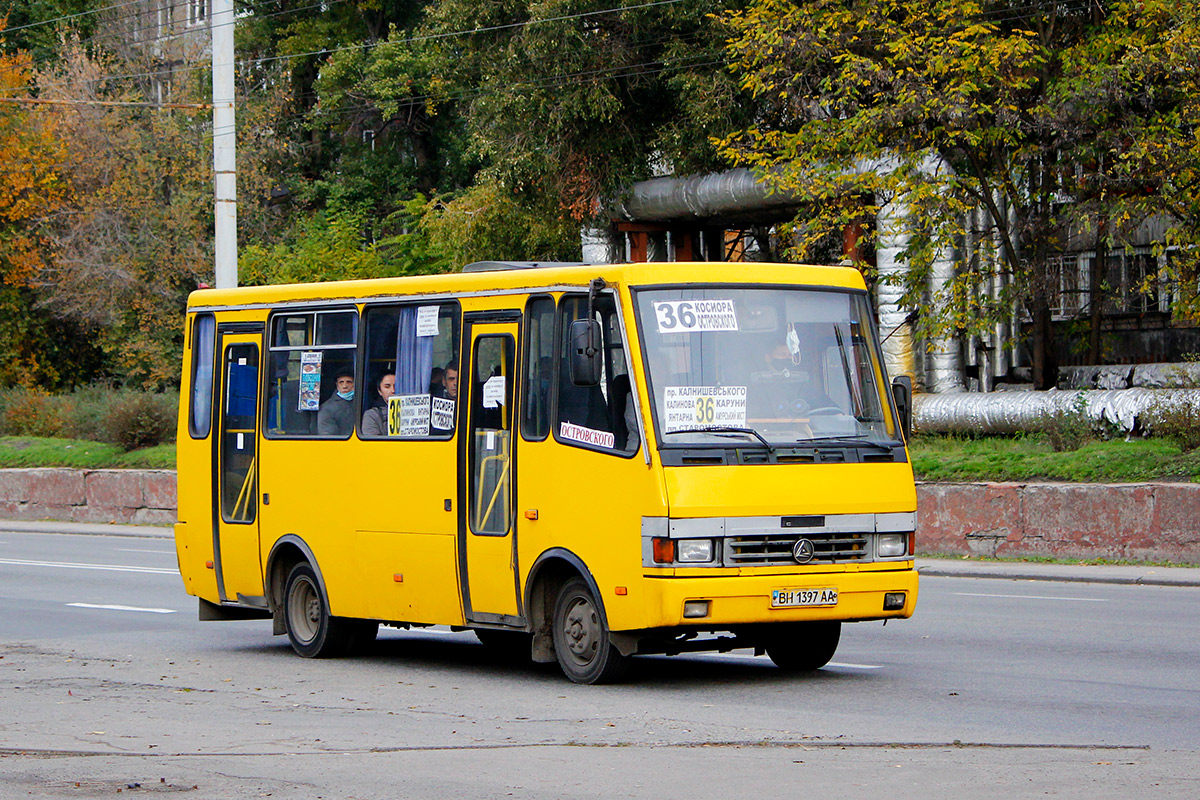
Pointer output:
x,y
582,629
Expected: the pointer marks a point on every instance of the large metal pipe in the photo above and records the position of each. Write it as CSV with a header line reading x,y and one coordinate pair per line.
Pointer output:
x,y
701,197
1014,412
894,327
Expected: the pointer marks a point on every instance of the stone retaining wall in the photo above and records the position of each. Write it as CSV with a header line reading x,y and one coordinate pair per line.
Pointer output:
x,y
1145,521
1141,521
128,496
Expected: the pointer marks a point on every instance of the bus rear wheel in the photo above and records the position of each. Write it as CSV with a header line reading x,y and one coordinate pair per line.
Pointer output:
x,y
803,646
582,643
312,630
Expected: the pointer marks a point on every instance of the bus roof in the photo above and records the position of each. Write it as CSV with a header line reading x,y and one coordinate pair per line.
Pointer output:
x,y
526,277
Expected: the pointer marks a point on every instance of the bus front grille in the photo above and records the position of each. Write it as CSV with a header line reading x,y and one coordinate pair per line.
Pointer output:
x,y
777,549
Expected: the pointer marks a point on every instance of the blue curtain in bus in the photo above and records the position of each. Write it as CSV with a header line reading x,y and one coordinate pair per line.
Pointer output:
x,y
414,355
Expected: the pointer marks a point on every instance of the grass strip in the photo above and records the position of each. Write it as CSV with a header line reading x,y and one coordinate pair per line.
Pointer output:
x,y
1031,458
31,451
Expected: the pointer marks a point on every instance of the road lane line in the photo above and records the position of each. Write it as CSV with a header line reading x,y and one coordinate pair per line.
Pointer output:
x,y
18,562
156,552
123,608
1034,597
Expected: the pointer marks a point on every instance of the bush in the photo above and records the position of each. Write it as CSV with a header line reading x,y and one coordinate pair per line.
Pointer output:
x,y
1068,429
1177,419
31,412
137,420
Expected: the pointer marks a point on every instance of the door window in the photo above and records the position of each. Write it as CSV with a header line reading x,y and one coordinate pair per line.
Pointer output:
x,y
492,376
239,438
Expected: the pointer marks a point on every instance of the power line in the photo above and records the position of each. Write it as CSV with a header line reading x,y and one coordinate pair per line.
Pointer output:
x,y
71,16
408,40
113,103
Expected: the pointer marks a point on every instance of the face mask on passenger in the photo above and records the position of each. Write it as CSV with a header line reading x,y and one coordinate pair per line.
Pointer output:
x,y
346,395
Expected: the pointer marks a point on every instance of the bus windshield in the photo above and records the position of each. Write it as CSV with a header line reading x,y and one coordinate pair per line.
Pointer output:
x,y
776,366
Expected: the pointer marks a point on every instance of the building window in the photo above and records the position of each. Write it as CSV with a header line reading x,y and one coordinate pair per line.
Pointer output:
x,y
198,12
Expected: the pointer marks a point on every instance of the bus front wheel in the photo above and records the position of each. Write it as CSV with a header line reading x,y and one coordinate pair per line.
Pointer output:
x,y
582,643
803,646
312,630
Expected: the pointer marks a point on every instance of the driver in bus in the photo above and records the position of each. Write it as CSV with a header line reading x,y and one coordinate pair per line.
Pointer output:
x,y
784,390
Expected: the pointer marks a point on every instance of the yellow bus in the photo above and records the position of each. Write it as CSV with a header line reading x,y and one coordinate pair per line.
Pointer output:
x,y
584,462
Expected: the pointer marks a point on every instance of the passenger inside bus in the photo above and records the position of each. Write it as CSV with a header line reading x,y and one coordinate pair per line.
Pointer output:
x,y
336,417
374,422
450,382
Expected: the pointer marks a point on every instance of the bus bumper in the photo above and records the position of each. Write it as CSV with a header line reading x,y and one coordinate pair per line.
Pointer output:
x,y
739,599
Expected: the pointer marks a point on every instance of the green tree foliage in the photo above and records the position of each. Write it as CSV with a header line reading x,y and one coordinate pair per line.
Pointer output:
x,y
1017,107
331,247
568,102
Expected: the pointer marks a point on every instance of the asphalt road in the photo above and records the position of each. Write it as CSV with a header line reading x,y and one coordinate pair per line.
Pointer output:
x,y
994,688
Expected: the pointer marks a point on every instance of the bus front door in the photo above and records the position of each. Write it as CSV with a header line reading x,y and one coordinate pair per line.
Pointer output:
x,y
239,572
487,546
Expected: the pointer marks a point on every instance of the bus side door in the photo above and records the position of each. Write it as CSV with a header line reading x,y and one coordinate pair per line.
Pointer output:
x,y
487,541
236,546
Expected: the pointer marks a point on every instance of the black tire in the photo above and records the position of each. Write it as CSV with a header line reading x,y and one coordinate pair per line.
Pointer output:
x,y
582,643
803,646
515,646
312,630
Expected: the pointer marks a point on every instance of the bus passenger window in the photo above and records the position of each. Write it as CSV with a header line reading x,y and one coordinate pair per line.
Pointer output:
x,y
417,345
204,334
539,369
310,353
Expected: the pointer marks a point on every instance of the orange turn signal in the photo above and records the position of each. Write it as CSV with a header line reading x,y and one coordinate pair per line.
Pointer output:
x,y
621,591
398,577
531,513
208,565
663,550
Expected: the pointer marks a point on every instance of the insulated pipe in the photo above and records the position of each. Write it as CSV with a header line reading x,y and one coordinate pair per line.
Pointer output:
x,y
894,329
945,357
602,246
1020,411
701,197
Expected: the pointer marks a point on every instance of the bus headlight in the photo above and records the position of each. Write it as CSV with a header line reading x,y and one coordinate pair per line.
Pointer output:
x,y
694,551
890,545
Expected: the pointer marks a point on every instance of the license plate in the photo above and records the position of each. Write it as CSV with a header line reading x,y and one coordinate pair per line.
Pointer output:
x,y
790,598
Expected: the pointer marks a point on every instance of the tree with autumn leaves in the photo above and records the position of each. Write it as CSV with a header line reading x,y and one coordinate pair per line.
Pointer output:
x,y
36,347
1046,115
384,138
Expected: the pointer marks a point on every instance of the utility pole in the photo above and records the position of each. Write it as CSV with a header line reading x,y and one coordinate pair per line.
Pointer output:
x,y
224,144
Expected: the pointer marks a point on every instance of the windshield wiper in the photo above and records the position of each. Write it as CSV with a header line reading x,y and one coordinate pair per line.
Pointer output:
x,y
848,441
729,429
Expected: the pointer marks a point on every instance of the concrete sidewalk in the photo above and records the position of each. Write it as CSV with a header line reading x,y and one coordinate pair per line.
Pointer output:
x,y
933,567
1036,571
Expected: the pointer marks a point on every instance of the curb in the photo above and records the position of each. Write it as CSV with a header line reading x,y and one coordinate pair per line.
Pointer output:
x,y
1066,573
95,529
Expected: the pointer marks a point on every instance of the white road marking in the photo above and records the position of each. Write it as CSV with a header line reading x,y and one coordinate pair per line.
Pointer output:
x,y
18,562
158,552
1034,597
123,608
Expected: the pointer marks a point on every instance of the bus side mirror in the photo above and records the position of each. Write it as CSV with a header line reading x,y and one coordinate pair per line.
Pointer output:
x,y
902,394
585,352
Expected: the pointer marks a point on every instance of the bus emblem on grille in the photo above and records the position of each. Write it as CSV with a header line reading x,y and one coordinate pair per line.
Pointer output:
x,y
803,551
